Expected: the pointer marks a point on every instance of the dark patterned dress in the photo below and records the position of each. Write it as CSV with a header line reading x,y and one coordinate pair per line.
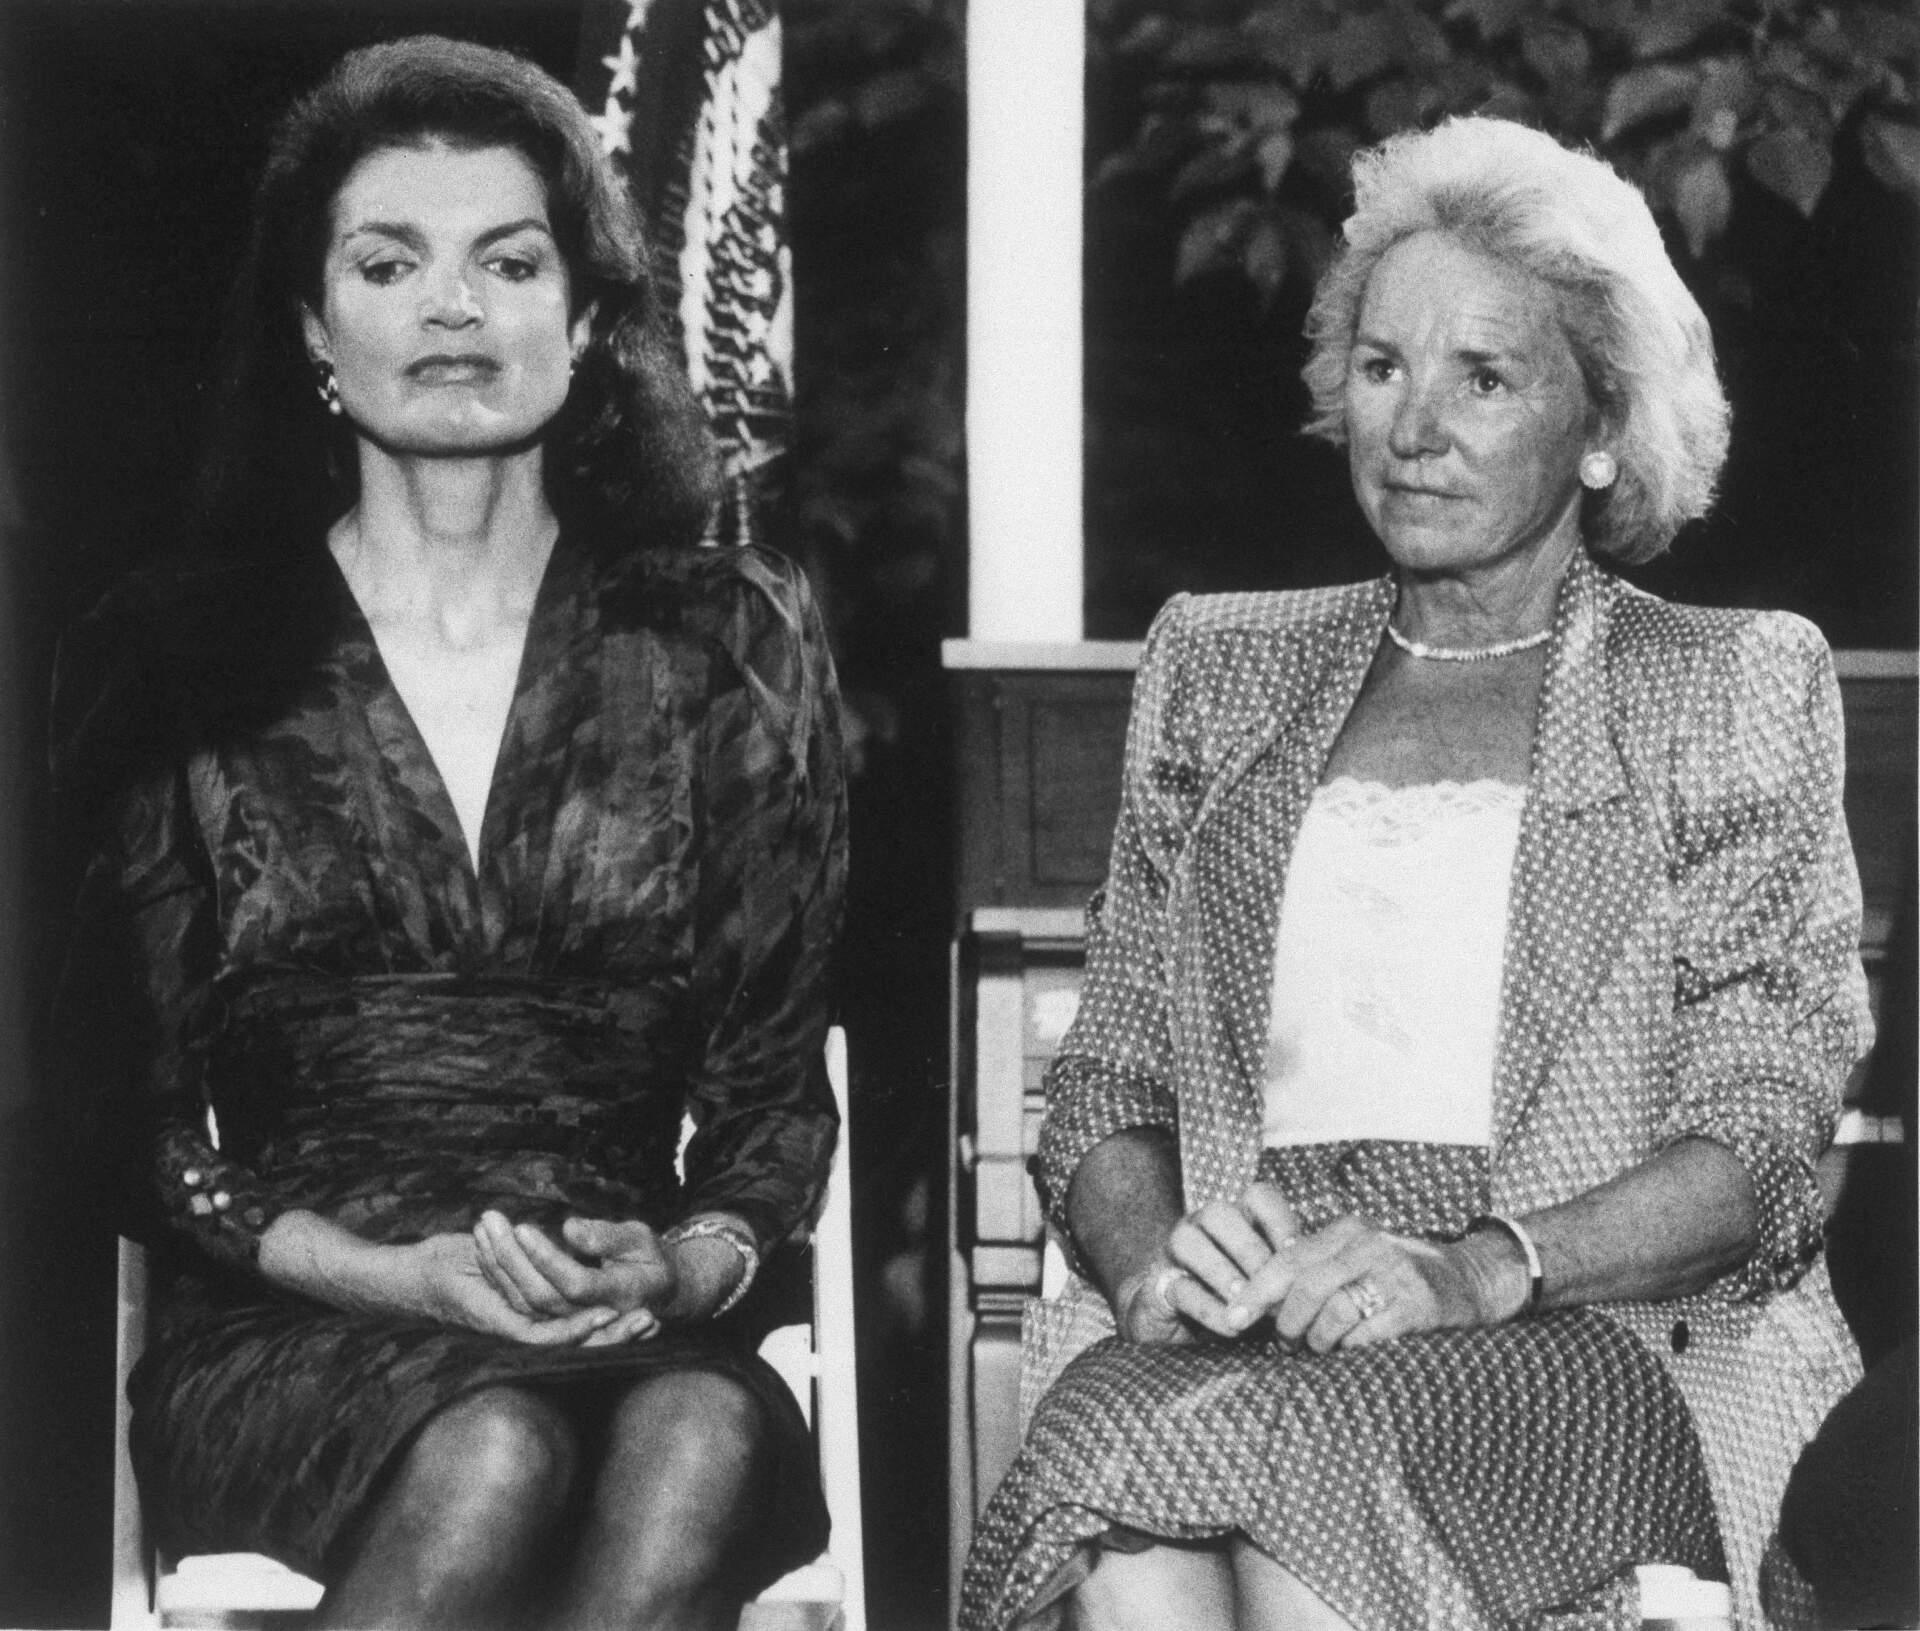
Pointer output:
x,y
282,939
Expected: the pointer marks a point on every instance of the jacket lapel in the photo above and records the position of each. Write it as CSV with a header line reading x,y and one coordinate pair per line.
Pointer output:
x,y
1306,679
1584,864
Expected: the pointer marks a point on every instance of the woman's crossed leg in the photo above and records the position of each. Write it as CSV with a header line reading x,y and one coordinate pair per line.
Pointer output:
x,y
1224,1586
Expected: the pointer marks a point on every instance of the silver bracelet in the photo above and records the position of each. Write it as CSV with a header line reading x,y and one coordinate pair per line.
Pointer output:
x,y
735,1235
1536,1276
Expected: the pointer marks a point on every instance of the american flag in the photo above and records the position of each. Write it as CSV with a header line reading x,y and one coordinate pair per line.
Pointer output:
x,y
686,96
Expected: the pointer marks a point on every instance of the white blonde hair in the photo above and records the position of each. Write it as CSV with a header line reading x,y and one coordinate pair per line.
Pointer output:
x,y
1567,218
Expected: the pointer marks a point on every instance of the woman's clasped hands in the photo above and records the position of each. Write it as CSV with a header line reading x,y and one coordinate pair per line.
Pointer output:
x,y
602,1282
1230,1267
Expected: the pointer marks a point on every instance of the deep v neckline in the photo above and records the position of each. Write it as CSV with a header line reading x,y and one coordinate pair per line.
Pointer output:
x,y
414,777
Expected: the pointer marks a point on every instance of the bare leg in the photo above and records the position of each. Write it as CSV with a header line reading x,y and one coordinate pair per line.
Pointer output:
x,y
459,1534
1274,1599
685,1478
1165,1588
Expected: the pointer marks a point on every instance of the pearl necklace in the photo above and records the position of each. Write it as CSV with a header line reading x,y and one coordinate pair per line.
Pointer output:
x,y
1466,654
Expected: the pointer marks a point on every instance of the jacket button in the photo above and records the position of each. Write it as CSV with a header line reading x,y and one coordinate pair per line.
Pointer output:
x,y
1681,1336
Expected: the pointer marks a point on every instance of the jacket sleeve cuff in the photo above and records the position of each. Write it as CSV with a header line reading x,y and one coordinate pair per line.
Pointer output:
x,y
1087,1103
216,1203
1786,1194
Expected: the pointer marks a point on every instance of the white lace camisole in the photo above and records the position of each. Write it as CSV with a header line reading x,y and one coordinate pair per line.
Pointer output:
x,y
1386,980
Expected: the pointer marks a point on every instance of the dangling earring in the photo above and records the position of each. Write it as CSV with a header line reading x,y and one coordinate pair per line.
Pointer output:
x,y
1597,470
329,386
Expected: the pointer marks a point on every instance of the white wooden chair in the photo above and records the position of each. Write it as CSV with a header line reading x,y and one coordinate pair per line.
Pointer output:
x,y
816,1361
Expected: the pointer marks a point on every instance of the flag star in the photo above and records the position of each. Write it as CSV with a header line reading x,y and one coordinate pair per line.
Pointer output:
x,y
615,126
625,64
637,14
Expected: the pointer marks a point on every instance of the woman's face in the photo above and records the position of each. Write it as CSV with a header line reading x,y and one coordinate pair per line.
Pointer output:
x,y
1466,412
444,301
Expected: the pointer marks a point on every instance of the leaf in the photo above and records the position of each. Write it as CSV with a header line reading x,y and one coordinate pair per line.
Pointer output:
x,y
1653,91
1883,34
1213,168
1362,45
1784,104
1148,37
1274,155
1207,49
1893,153
1264,258
821,124
1156,145
1209,241
1293,45
1556,52
1785,63
1614,18
1495,19
1792,165
1703,200
1423,42
1255,103
889,96
1727,96
1506,100
1659,28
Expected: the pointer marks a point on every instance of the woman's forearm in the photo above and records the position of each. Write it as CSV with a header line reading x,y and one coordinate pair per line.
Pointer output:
x,y
1124,1198
1671,1226
308,1254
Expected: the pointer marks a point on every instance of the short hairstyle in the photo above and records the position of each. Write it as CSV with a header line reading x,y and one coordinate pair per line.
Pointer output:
x,y
630,448
1567,218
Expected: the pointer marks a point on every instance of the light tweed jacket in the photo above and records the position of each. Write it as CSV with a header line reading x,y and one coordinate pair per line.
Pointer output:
x,y
1682,956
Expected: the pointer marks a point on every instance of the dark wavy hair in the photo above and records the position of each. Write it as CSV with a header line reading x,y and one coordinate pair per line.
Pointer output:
x,y
629,453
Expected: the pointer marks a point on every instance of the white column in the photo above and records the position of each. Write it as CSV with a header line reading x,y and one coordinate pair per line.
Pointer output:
x,y
1025,132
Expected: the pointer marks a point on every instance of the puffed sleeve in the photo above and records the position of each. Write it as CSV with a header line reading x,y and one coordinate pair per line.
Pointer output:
x,y
773,860
1114,1070
134,1005
1770,999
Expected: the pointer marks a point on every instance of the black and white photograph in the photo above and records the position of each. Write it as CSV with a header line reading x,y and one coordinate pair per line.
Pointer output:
x,y
959,815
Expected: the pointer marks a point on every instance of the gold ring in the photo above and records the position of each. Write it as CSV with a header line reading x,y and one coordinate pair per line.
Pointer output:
x,y
1161,1286
1367,1297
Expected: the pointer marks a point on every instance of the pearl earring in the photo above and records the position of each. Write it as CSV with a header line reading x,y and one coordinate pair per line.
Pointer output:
x,y
329,386
1597,470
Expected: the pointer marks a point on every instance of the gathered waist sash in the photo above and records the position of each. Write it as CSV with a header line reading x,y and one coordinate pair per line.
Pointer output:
x,y
401,1104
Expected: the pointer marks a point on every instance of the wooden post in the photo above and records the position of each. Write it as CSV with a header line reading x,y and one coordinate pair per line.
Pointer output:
x,y
1026,64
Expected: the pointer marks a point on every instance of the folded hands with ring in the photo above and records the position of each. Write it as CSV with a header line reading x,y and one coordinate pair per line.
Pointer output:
x,y
1234,1268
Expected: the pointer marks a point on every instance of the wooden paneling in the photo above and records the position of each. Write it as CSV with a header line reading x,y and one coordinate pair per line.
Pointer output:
x,y
1039,784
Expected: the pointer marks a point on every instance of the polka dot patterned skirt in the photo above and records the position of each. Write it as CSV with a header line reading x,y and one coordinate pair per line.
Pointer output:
x,y
1457,1479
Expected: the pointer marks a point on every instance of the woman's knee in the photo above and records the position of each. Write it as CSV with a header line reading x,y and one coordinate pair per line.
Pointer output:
x,y
1163,1588
680,1489
696,1419
504,1450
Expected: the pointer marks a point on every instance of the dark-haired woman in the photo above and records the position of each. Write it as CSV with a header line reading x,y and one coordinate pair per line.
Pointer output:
x,y
447,848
